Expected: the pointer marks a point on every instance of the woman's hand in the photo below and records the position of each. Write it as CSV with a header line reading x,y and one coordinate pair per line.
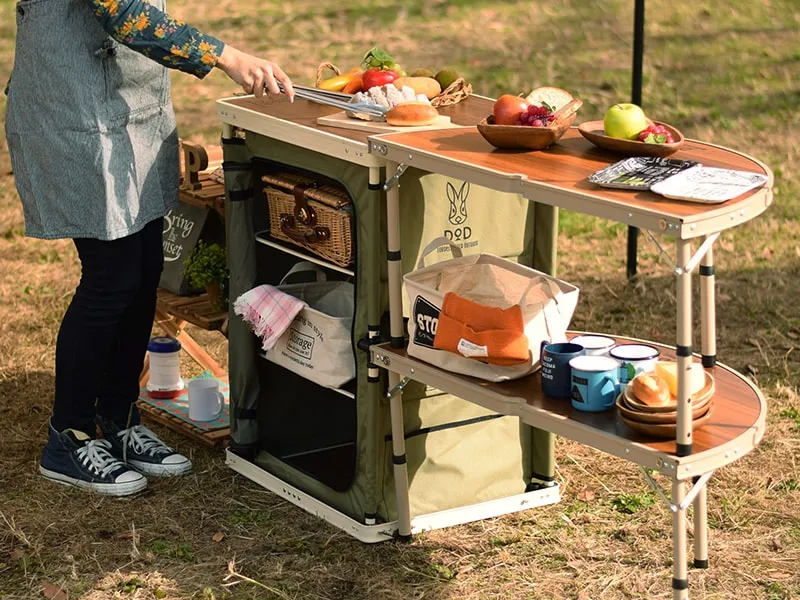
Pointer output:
x,y
254,74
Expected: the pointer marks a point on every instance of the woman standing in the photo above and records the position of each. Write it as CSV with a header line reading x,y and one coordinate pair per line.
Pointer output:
x,y
94,148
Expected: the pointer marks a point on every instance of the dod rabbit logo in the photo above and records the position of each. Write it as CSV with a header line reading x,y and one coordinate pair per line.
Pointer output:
x,y
460,232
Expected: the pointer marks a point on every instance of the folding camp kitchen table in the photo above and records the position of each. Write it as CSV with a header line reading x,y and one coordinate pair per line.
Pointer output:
x,y
557,177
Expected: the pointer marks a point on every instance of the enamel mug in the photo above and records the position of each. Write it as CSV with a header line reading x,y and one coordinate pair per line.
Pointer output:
x,y
594,382
555,368
596,345
633,360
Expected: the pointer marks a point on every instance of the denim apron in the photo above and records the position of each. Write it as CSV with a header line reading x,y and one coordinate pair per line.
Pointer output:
x,y
90,127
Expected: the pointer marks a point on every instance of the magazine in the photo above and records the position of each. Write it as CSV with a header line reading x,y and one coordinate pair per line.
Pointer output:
x,y
709,185
640,172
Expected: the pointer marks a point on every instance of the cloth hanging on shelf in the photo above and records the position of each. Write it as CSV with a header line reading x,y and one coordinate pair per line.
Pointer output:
x,y
268,311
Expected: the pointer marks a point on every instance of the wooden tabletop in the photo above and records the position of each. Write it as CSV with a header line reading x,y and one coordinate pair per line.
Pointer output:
x,y
302,112
556,175
737,418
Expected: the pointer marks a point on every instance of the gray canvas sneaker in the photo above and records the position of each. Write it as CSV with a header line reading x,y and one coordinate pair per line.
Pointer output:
x,y
141,449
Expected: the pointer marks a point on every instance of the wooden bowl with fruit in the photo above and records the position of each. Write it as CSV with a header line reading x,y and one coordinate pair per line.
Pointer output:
x,y
531,123
627,130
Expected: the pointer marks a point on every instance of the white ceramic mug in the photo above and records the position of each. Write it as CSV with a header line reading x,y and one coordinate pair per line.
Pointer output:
x,y
205,400
595,345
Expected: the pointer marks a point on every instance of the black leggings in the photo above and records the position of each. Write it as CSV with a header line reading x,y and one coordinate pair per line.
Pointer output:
x,y
104,334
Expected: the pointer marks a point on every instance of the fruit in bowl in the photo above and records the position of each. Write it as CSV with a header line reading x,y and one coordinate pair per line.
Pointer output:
x,y
626,129
507,109
624,121
532,123
656,134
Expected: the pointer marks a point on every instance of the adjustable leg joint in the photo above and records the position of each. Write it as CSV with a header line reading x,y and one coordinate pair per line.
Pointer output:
x,y
401,168
398,388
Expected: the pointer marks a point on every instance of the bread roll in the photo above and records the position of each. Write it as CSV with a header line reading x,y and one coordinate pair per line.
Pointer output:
x,y
412,114
650,389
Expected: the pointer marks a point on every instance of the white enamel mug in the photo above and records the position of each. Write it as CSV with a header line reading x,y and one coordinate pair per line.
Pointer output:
x,y
633,360
595,345
205,400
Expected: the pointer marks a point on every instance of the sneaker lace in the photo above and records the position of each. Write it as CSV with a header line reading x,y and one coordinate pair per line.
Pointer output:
x,y
143,441
96,456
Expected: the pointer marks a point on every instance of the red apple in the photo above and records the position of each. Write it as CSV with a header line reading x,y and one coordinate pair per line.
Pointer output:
x,y
508,108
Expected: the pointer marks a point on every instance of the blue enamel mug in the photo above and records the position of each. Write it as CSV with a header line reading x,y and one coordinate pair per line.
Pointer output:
x,y
595,382
555,367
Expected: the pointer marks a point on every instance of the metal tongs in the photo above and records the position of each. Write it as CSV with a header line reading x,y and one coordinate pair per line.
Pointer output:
x,y
339,100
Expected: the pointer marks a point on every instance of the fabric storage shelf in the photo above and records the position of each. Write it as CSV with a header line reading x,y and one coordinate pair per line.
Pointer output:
x,y
263,238
348,390
461,472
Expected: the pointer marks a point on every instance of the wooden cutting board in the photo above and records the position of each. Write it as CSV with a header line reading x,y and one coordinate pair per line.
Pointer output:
x,y
342,121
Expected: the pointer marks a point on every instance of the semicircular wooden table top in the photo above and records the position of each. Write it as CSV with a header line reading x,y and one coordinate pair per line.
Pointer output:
x,y
566,165
736,425
738,407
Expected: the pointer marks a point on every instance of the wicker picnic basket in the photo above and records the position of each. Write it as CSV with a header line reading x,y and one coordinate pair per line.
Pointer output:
x,y
314,215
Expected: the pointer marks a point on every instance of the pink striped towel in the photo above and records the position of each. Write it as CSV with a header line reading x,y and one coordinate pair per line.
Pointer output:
x,y
268,311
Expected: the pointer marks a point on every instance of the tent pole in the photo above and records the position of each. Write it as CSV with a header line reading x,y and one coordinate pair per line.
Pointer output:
x,y
636,98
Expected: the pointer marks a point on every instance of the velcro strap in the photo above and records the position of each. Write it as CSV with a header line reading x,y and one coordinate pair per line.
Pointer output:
x,y
240,195
236,166
248,414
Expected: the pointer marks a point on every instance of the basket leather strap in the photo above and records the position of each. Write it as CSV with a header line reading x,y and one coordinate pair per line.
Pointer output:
x,y
303,212
312,235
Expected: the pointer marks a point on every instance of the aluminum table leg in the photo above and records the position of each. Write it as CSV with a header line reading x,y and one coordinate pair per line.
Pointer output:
x,y
680,579
395,270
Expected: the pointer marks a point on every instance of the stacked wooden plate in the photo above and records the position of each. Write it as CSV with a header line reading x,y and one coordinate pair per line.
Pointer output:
x,y
660,421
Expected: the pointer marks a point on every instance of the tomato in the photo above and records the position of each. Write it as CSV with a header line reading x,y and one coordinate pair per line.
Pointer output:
x,y
508,108
378,77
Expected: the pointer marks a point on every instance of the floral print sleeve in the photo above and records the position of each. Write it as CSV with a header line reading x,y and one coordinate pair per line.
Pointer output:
x,y
146,29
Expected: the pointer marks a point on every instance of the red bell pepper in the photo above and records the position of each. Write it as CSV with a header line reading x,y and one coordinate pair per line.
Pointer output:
x,y
378,77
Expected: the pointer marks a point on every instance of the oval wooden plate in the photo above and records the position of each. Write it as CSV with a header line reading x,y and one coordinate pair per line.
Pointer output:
x,y
595,133
700,398
523,137
664,430
657,418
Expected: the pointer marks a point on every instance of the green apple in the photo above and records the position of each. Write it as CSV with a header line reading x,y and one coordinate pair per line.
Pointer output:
x,y
624,121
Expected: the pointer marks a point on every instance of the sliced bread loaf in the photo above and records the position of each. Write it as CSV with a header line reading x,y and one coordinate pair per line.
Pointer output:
x,y
554,97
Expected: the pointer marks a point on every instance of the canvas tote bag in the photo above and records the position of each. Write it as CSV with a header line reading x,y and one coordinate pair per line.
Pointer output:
x,y
317,344
547,306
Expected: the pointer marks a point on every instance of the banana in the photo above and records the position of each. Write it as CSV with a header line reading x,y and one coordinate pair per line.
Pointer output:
x,y
335,84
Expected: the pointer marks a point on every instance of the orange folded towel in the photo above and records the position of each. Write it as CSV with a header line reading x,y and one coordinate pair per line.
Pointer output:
x,y
489,334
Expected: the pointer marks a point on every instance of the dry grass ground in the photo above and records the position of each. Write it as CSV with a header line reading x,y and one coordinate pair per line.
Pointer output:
x,y
725,72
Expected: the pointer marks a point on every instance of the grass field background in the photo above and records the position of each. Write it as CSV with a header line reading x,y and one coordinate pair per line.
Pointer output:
x,y
722,72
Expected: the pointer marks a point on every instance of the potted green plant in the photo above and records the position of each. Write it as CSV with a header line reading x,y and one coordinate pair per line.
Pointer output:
x,y
207,267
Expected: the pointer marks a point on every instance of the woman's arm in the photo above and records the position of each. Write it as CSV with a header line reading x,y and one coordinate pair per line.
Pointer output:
x,y
173,43
148,30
